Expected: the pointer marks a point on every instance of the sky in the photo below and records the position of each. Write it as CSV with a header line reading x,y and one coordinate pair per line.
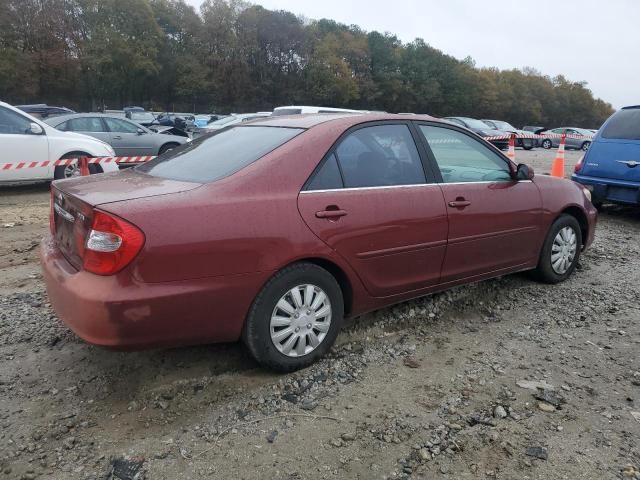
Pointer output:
x,y
597,41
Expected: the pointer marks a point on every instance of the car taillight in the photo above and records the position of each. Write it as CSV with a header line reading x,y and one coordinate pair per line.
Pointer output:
x,y
111,245
578,166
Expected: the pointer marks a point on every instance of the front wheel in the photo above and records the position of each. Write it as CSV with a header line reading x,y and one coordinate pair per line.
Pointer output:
x,y
73,170
547,144
295,319
167,148
561,250
585,146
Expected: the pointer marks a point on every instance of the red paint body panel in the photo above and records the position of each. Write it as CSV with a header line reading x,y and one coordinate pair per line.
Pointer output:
x,y
395,238
210,248
500,228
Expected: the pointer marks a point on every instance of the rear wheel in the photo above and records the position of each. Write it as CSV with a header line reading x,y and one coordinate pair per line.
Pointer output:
x,y
295,319
585,146
547,144
73,169
561,250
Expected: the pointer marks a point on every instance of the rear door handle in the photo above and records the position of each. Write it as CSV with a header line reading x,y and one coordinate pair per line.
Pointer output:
x,y
331,213
459,203
117,137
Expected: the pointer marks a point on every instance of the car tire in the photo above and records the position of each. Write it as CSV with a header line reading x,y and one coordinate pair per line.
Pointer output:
x,y
585,146
547,144
69,171
167,147
527,145
559,238
269,330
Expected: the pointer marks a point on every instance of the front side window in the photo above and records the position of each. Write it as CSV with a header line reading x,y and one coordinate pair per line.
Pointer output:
x,y
84,124
13,123
382,155
219,154
121,126
464,159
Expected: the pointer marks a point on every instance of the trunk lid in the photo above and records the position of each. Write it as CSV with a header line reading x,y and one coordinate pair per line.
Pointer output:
x,y
119,186
614,159
73,202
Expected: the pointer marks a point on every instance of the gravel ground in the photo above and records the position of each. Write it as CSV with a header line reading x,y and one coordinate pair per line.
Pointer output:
x,y
498,380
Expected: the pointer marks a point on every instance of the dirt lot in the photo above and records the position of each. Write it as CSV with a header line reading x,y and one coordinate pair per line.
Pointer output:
x,y
442,387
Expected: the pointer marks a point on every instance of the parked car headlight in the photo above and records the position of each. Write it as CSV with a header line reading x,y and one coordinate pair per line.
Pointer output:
x,y
587,193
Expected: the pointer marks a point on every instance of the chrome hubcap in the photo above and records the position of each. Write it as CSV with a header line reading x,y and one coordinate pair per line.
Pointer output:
x,y
564,250
71,170
300,320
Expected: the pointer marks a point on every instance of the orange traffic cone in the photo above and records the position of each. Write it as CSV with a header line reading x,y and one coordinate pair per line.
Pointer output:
x,y
557,170
511,153
84,166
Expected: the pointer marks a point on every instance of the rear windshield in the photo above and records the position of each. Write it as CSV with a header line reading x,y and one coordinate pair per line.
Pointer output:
x,y
218,154
624,125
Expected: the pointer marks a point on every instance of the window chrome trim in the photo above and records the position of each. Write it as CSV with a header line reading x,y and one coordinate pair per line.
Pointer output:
x,y
386,187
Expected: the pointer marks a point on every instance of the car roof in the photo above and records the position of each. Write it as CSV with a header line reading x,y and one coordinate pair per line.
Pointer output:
x,y
309,120
63,118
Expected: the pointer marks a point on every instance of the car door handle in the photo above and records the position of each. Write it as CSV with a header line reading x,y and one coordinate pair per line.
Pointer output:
x,y
459,203
117,137
331,213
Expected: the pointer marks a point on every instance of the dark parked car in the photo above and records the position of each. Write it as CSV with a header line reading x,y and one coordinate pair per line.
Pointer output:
x,y
182,121
526,143
482,129
42,110
533,129
611,166
274,231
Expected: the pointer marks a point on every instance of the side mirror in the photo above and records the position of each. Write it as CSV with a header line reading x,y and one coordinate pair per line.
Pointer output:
x,y
524,172
141,131
35,129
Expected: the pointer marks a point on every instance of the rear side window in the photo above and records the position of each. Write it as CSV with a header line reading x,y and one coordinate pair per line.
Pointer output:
x,y
84,124
624,125
328,177
121,126
382,155
219,154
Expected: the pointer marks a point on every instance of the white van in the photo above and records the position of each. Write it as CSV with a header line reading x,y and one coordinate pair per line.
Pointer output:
x,y
297,110
25,139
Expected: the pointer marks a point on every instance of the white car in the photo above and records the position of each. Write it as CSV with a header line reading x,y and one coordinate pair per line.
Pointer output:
x,y
25,139
297,110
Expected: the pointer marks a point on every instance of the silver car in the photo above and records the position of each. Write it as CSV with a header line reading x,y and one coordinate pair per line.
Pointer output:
x,y
577,138
128,139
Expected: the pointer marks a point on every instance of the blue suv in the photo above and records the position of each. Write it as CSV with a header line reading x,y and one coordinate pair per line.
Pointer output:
x,y
611,166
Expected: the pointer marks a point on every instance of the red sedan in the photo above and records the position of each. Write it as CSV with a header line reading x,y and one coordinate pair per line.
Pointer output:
x,y
274,231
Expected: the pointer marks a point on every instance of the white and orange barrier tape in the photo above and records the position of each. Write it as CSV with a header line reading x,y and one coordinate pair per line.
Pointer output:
x,y
70,161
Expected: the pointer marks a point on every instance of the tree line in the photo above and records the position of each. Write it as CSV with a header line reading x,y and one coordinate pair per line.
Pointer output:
x,y
231,56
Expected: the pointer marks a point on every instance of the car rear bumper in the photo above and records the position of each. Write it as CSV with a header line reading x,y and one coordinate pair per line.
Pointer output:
x,y
611,190
119,312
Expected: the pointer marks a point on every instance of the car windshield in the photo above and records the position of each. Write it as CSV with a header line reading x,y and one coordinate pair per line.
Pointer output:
x,y
584,131
473,123
219,154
